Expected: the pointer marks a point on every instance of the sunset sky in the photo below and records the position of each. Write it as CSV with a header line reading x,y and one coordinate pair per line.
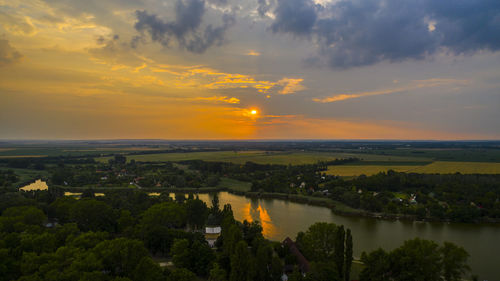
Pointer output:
x,y
249,69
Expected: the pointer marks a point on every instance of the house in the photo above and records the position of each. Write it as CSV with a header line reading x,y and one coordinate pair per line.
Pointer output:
x,y
302,262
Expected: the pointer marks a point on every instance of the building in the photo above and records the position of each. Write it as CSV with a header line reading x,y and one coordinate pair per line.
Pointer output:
x,y
212,231
294,250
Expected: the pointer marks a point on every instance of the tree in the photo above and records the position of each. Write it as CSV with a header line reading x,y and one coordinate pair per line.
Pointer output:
x,y
377,266
348,255
93,215
181,274
147,269
168,214
263,259
318,242
240,263
180,253
322,271
217,273
120,256
454,261
416,259
196,212
251,231
296,275
339,251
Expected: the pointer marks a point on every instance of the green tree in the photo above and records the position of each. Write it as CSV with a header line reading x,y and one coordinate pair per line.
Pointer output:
x,y
377,266
322,271
181,256
339,257
454,260
149,270
240,263
296,275
120,256
318,242
93,215
348,255
168,214
181,274
196,212
217,273
416,259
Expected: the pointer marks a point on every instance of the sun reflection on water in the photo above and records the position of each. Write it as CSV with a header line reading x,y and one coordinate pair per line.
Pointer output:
x,y
252,213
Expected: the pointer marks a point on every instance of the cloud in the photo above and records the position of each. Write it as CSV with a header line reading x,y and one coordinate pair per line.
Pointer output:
x,y
263,7
186,29
295,16
359,33
416,84
222,99
291,85
253,53
8,55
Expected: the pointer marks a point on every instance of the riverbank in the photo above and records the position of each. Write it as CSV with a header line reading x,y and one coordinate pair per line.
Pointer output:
x,y
336,207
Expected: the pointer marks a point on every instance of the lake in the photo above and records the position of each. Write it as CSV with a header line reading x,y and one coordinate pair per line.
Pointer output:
x,y
281,218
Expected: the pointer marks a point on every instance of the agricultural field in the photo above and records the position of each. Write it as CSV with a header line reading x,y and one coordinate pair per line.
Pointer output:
x,y
438,167
368,170
444,167
19,152
265,157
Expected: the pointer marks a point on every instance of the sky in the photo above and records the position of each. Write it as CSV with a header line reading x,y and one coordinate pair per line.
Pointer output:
x,y
250,69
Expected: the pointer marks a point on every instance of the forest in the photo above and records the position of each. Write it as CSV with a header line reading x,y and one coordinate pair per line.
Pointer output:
x,y
128,235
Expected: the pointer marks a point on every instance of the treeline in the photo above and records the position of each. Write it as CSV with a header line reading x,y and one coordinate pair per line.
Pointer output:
x,y
454,197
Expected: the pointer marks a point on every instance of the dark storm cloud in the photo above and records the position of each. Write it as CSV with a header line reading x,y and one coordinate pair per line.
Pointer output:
x,y
295,16
358,33
8,55
186,29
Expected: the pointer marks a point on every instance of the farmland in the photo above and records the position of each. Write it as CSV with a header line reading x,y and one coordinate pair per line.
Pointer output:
x,y
266,157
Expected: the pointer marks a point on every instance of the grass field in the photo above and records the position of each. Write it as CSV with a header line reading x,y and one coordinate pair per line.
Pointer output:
x,y
263,157
438,167
26,175
234,184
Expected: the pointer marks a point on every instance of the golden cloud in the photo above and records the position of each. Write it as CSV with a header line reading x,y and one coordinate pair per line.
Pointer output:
x,y
291,85
414,85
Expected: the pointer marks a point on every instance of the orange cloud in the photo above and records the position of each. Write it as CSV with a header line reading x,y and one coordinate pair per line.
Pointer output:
x,y
223,99
416,84
290,85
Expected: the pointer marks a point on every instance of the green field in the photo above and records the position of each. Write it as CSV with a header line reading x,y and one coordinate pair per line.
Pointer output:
x,y
26,175
264,157
18,152
234,184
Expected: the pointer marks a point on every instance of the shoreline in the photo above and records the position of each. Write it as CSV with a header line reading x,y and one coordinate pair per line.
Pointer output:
x,y
296,198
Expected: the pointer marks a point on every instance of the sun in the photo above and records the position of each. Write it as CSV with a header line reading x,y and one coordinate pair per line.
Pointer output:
x,y
253,112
